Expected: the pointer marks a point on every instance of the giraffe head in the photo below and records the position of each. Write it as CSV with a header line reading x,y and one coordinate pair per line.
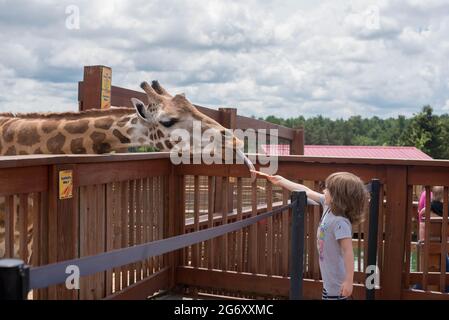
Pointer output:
x,y
168,113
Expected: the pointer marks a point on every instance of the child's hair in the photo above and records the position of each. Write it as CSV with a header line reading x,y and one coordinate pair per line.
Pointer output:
x,y
437,193
349,196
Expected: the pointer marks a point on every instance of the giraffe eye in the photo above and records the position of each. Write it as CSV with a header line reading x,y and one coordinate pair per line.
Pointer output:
x,y
169,123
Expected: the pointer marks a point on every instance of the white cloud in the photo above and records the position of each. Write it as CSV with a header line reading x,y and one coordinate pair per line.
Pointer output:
x,y
287,58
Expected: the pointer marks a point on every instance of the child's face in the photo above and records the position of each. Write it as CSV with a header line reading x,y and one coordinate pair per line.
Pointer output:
x,y
327,197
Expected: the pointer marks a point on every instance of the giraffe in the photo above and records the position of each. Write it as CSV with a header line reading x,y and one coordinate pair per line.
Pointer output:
x,y
106,131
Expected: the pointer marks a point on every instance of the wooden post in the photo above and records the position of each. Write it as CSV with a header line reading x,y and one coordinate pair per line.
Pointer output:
x,y
63,222
297,145
94,92
228,119
395,225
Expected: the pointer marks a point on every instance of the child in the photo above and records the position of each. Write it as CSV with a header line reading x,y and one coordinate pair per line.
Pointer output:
x,y
344,202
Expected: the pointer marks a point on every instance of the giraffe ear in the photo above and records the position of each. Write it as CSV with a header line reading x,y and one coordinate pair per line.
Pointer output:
x,y
140,108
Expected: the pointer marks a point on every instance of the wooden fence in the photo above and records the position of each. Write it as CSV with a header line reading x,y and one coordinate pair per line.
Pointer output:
x,y
125,199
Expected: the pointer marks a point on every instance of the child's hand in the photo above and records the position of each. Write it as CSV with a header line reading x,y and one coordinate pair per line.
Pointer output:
x,y
273,179
346,289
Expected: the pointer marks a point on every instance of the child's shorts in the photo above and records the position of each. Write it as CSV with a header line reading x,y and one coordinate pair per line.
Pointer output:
x,y
326,297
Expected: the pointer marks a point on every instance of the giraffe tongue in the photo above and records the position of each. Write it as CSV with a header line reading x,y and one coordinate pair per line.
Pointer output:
x,y
248,163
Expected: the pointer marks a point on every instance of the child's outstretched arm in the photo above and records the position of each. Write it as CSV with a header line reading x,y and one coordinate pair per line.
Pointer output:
x,y
290,185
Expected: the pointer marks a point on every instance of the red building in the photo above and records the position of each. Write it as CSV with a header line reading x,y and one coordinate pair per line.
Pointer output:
x,y
382,152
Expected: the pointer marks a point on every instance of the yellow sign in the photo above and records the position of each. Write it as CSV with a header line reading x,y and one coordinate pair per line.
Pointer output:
x,y
65,184
106,78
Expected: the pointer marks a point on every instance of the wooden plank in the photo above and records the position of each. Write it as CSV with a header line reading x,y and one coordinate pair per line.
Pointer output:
x,y
270,231
116,230
444,235
395,232
98,173
151,214
109,222
408,236
145,222
252,234
145,288
196,215
132,227
179,214
92,236
23,180
380,234
285,236
124,199
426,240
261,228
253,284
365,224
320,171
23,226
224,214
431,176
161,214
421,295
138,225
9,226
210,220
37,230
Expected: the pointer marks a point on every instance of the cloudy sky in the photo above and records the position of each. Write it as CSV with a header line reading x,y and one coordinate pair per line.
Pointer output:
x,y
286,58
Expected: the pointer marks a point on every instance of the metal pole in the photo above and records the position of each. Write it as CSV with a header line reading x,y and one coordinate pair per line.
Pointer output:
x,y
14,279
372,234
299,200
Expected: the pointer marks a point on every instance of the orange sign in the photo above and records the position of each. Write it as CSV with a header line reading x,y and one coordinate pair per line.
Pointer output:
x,y
106,78
65,184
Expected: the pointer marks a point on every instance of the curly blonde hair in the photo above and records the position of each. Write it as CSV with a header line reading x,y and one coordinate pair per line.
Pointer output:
x,y
349,196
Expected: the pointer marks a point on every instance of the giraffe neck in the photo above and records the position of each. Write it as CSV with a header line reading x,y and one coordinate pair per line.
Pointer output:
x,y
104,133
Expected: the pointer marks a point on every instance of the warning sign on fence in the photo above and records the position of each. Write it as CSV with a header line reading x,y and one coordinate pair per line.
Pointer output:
x,y
65,184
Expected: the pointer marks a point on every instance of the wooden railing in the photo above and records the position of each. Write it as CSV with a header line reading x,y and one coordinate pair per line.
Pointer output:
x,y
125,199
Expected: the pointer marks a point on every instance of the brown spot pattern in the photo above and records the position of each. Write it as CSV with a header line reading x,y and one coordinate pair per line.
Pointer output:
x,y
11,151
120,136
134,121
49,126
168,144
76,146
103,123
55,144
75,127
8,131
160,146
123,122
28,136
159,134
99,146
102,147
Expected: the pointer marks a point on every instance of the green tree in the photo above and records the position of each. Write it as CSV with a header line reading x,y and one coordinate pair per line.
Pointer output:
x,y
425,133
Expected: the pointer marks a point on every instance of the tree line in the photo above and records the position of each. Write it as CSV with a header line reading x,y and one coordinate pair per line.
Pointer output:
x,y
424,130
